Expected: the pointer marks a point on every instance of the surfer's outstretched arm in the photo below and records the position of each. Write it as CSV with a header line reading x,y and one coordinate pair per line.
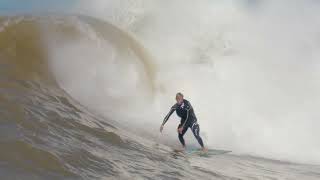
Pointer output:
x,y
173,108
168,115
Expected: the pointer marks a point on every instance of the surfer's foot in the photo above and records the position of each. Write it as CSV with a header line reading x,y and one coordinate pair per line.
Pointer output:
x,y
204,149
183,149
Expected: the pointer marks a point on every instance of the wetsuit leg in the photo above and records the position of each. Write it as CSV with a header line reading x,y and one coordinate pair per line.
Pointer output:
x,y
181,135
196,130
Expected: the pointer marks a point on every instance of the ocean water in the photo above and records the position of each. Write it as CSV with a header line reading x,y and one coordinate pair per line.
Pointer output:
x,y
83,96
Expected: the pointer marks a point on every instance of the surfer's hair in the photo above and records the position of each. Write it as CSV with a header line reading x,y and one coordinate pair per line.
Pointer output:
x,y
179,94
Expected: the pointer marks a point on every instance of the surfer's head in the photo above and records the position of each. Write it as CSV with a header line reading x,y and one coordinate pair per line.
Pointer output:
x,y
179,98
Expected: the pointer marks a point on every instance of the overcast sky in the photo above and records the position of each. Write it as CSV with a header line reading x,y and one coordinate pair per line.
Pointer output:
x,y
24,6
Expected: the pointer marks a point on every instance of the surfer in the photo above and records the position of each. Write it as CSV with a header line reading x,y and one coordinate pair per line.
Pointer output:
x,y
185,111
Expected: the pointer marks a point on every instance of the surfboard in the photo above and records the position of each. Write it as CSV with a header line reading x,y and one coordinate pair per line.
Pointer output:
x,y
199,152
210,152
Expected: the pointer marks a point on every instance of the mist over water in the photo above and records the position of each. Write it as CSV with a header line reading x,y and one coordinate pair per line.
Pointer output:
x,y
250,70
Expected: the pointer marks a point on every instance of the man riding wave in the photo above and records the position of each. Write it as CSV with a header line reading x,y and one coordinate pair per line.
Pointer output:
x,y
185,111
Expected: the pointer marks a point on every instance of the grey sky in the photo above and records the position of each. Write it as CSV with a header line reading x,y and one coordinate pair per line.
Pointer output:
x,y
23,6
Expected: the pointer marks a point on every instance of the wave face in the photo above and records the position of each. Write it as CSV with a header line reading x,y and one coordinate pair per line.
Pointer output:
x,y
82,98
45,134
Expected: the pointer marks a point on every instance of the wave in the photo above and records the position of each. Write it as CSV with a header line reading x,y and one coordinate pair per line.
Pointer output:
x,y
81,98
44,132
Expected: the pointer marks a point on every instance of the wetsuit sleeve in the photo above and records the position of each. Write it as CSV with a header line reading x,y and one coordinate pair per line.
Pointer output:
x,y
173,108
188,108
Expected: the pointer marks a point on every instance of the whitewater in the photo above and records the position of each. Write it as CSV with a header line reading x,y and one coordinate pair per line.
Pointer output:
x,y
84,89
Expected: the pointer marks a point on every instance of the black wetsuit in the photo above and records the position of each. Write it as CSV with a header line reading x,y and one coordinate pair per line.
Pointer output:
x,y
188,120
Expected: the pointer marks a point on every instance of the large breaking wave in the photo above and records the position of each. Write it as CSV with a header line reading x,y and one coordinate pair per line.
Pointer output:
x,y
67,82
46,134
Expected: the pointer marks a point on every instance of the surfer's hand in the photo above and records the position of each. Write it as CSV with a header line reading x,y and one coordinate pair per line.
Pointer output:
x,y
180,130
161,128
